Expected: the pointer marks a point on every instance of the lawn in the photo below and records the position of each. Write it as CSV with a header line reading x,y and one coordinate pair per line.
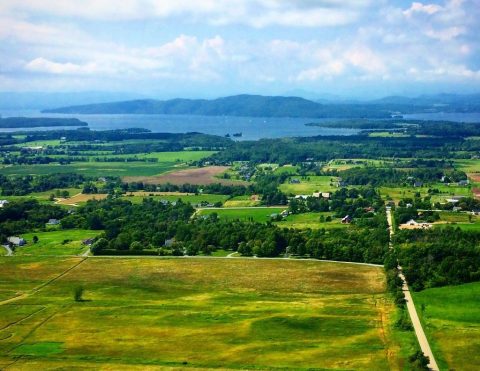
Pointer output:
x,y
243,201
56,242
446,191
256,214
309,185
310,220
191,198
197,313
167,161
451,317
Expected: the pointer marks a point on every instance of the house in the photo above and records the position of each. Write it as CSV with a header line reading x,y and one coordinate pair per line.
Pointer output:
x,y
53,222
3,203
418,184
326,194
455,199
369,209
303,197
284,213
88,242
411,222
294,181
463,182
476,212
347,219
341,183
321,194
409,205
16,241
456,208
444,179
169,242
102,179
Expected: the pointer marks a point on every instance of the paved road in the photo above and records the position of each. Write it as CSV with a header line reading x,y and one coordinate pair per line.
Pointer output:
x,y
417,326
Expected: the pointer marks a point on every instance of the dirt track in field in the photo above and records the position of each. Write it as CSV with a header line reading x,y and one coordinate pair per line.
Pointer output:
x,y
201,176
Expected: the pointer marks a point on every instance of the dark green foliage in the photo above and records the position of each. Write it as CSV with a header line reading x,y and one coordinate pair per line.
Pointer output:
x,y
418,361
33,122
438,257
78,293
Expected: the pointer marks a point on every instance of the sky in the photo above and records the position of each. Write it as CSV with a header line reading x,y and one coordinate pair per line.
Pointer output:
x,y
211,48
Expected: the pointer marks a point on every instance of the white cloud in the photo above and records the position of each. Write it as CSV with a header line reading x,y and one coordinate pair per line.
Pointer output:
x,y
255,13
422,8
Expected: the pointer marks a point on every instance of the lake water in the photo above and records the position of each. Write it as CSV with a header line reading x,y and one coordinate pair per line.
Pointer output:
x,y
252,128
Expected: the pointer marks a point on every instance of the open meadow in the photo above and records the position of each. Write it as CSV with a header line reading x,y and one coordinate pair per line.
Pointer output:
x,y
196,313
308,185
311,220
256,214
451,318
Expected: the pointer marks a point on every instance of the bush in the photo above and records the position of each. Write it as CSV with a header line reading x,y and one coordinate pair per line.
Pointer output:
x,y
78,293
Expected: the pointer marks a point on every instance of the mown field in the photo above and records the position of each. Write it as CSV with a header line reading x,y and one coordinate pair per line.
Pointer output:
x,y
256,214
167,161
451,317
56,242
309,185
311,220
195,313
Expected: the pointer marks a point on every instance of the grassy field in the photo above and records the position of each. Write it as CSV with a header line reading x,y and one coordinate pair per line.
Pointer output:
x,y
195,313
310,220
167,161
243,201
57,242
309,185
191,198
398,193
257,214
451,317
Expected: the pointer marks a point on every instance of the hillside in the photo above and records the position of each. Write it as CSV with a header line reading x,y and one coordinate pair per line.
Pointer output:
x,y
36,122
240,105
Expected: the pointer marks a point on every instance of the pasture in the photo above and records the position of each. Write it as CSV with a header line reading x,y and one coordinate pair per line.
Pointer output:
x,y
451,318
200,176
310,220
309,184
137,197
195,313
255,214
167,161
56,242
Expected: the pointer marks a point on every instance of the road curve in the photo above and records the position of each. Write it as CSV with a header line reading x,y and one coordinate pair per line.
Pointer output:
x,y
417,325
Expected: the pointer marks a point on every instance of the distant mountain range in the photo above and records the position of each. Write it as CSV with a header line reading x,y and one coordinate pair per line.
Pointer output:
x,y
279,106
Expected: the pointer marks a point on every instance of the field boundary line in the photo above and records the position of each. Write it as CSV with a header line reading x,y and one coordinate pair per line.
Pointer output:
x,y
41,286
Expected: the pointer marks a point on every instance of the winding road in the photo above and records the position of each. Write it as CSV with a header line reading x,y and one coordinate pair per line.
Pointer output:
x,y
417,325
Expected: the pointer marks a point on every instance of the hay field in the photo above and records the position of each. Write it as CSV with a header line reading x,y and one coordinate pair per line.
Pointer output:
x,y
196,313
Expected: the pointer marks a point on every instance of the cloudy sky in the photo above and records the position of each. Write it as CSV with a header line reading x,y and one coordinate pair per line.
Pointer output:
x,y
209,48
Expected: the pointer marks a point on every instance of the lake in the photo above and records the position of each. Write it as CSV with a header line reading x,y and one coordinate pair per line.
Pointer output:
x,y
252,128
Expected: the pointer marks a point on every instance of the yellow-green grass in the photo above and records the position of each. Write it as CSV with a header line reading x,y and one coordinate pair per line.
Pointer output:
x,y
181,156
56,242
286,169
193,199
242,201
468,166
446,191
310,220
198,313
168,161
256,214
309,185
387,134
451,318
40,143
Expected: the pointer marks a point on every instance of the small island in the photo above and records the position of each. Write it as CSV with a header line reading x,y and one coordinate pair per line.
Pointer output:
x,y
36,122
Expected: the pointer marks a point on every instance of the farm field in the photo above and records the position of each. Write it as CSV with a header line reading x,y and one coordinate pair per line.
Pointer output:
x,y
56,242
243,201
167,161
201,176
243,314
452,321
256,214
81,198
137,197
309,185
398,193
310,220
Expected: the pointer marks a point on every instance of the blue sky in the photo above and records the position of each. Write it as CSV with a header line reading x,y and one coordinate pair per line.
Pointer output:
x,y
210,48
